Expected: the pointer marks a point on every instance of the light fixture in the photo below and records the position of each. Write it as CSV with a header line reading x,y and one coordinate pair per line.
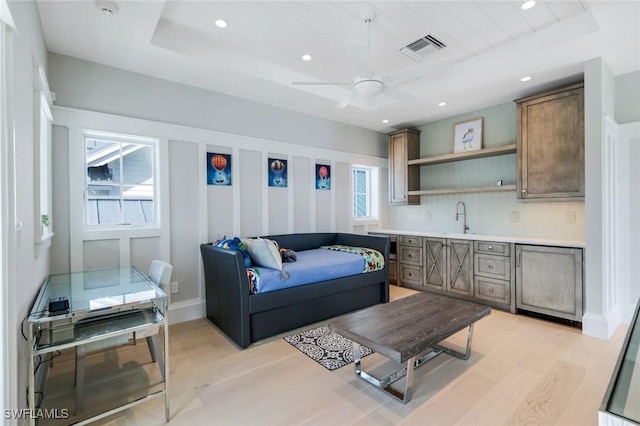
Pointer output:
x,y
306,57
442,104
221,23
107,7
385,121
527,78
368,87
528,5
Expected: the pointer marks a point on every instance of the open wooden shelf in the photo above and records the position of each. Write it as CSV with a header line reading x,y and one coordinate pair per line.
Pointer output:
x,y
480,153
463,190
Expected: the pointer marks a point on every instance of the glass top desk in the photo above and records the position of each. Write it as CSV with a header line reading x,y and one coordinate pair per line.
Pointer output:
x,y
111,298
621,405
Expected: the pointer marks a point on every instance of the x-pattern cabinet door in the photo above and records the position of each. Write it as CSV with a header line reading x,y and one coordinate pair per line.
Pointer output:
x,y
435,268
460,267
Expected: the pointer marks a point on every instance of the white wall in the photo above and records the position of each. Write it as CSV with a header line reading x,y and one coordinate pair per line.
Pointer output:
x,y
487,213
28,50
90,86
628,97
198,212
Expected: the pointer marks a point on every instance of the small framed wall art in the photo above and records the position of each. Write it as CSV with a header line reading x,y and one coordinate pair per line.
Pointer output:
x,y
218,169
277,172
467,135
323,177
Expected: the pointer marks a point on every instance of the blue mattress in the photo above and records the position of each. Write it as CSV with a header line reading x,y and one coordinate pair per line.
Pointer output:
x,y
312,266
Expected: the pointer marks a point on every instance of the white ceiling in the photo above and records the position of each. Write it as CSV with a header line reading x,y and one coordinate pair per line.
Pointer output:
x,y
490,45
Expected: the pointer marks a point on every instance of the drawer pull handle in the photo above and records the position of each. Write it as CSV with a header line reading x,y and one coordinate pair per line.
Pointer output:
x,y
490,247
490,266
490,289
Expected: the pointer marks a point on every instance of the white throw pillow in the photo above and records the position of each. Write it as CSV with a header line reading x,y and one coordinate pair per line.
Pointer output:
x,y
265,253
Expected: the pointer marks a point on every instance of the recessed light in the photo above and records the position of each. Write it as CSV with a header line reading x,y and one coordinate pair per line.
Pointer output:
x,y
528,5
306,57
385,121
107,7
527,78
442,104
221,23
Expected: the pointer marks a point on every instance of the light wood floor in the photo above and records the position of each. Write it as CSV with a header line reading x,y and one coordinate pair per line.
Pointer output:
x,y
522,371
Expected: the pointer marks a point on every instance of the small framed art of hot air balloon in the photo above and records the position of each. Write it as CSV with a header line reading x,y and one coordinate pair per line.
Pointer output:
x,y
277,170
218,169
323,177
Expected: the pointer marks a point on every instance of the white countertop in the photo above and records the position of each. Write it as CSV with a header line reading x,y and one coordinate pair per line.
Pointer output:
x,y
480,237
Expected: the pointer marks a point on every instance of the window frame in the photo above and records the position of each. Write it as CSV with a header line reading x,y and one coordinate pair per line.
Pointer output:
x,y
373,198
121,138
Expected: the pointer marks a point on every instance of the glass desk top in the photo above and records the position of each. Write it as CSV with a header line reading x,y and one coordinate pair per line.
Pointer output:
x,y
91,291
623,397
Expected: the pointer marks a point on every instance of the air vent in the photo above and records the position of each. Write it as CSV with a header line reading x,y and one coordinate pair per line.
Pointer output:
x,y
422,47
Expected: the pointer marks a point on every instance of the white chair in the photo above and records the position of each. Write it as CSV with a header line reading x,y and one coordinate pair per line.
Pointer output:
x,y
160,273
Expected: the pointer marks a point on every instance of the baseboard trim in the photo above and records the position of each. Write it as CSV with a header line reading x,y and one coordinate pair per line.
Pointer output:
x,y
601,326
186,310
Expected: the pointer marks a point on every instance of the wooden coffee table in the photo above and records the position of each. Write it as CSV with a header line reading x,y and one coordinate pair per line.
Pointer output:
x,y
408,331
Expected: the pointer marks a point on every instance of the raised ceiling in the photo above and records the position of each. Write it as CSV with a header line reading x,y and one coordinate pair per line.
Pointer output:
x,y
489,44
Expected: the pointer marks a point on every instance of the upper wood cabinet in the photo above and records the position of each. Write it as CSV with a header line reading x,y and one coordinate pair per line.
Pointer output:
x,y
404,145
550,143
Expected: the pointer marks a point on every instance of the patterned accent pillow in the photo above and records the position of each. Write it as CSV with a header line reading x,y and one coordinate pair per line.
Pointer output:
x,y
236,244
253,275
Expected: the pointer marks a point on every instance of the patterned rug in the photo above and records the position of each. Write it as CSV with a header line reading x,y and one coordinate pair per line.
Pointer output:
x,y
327,348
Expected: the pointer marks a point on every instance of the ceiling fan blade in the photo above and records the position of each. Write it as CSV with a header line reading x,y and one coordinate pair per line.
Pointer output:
x,y
398,94
347,100
316,83
362,60
417,72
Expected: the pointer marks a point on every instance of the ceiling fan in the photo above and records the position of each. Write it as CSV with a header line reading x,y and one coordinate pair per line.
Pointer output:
x,y
367,84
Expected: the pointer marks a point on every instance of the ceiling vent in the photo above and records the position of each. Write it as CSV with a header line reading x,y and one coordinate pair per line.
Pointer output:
x,y
422,47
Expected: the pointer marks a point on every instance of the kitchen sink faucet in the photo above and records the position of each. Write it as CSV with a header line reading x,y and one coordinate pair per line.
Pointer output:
x,y
465,228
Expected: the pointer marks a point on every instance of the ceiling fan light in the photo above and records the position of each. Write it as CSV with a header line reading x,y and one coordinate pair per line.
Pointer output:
x,y
368,88
528,5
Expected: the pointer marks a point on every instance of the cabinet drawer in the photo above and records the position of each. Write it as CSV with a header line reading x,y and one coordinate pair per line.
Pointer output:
x,y
392,270
410,274
411,241
492,290
411,255
498,267
489,247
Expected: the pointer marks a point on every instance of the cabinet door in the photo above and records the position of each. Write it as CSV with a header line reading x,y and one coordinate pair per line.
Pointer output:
x,y
435,266
403,146
549,281
460,267
551,145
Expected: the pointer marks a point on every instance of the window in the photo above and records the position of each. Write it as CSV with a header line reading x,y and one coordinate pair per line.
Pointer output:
x,y
361,192
120,176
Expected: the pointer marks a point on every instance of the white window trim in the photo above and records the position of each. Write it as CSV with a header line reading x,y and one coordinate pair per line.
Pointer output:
x,y
374,197
119,137
43,122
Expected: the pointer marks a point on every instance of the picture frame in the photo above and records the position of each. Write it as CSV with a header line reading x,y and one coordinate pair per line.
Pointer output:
x,y
277,172
467,135
218,169
323,177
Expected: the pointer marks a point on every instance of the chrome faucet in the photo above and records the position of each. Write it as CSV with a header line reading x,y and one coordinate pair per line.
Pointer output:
x,y
465,228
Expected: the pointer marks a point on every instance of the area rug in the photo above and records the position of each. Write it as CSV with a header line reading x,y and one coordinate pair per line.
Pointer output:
x,y
327,348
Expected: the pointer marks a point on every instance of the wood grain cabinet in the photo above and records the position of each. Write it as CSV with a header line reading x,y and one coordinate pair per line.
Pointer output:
x,y
549,280
404,145
550,145
492,266
410,261
449,266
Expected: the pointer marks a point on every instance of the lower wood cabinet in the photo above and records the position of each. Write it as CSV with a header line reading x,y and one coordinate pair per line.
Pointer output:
x,y
493,279
410,261
549,280
449,265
